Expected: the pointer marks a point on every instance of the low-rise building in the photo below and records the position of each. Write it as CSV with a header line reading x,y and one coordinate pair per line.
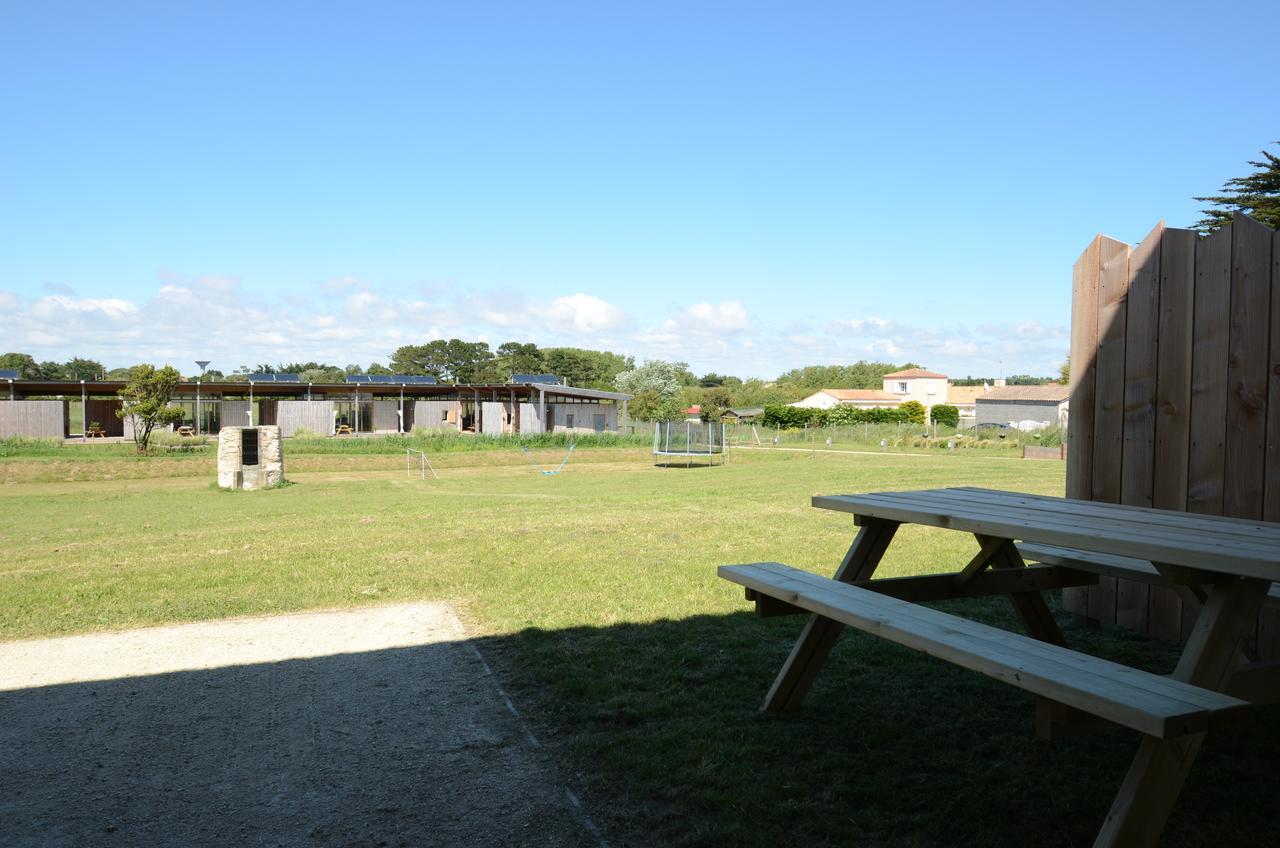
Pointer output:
x,y
1024,406
861,398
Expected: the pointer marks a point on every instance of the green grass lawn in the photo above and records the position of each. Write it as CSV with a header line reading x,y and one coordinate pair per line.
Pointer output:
x,y
594,594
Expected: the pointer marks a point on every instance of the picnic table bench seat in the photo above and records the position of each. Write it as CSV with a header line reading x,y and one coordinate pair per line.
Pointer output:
x,y
1110,565
1152,704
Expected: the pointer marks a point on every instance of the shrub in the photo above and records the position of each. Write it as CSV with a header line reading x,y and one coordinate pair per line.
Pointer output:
x,y
914,410
790,417
947,415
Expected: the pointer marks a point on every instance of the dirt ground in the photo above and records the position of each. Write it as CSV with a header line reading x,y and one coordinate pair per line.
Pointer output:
x,y
374,727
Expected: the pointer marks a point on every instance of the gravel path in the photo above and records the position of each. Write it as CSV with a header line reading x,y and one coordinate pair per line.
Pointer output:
x,y
371,727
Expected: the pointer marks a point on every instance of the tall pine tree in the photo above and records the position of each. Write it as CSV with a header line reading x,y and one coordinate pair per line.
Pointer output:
x,y
1257,195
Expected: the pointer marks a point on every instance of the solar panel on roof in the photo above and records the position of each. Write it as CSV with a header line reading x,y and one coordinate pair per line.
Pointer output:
x,y
357,378
536,378
414,379
8,374
381,378
275,378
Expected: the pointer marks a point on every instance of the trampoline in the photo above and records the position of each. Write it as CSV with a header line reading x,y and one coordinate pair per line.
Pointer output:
x,y
687,443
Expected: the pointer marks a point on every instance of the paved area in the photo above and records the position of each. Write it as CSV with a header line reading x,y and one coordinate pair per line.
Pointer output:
x,y
372,727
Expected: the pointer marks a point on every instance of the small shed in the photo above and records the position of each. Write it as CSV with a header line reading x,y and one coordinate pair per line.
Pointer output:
x,y
742,413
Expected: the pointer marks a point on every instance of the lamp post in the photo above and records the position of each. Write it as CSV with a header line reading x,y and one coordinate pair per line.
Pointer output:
x,y
84,413
249,411
197,406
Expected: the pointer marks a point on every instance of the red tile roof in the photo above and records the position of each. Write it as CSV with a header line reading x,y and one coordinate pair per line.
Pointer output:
x,y
915,372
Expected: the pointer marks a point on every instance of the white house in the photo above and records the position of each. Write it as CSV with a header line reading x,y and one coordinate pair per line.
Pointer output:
x,y
927,387
861,398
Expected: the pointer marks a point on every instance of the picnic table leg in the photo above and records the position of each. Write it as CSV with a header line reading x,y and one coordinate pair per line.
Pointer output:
x,y
820,634
1151,788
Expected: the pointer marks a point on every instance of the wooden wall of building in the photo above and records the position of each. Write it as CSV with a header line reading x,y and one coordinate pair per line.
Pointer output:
x,y
313,415
431,414
1175,394
33,419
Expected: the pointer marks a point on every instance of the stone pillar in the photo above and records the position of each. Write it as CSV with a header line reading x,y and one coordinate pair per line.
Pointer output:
x,y
232,471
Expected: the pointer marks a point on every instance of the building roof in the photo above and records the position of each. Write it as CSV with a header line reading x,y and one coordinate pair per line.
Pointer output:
x,y
744,411
962,395
338,390
1051,393
915,372
860,394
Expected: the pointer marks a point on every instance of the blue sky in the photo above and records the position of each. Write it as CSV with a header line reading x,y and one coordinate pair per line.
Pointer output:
x,y
745,187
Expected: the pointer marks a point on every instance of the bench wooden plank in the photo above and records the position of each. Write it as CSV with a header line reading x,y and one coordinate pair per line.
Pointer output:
x,y
1193,550
945,586
1127,568
1152,704
1157,683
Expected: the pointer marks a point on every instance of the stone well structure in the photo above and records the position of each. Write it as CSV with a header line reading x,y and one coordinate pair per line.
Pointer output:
x,y
250,457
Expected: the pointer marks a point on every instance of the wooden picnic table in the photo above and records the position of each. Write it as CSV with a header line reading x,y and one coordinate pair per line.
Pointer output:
x,y
342,428
1227,564
184,430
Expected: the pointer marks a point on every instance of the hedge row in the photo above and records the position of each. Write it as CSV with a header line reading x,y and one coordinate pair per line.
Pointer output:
x,y
911,412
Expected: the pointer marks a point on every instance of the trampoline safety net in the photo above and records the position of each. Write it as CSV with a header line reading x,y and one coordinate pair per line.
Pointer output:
x,y
685,442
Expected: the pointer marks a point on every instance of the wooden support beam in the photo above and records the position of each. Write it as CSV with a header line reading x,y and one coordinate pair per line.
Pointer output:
x,y
820,634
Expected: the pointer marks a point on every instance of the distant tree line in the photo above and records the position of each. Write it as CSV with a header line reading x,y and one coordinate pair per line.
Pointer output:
x,y
73,369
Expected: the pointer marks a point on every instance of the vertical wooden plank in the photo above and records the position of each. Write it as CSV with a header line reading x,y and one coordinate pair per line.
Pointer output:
x,y
1271,502
1205,464
1084,346
1173,381
1173,407
1108,438
1247,368
1108,430
1137,474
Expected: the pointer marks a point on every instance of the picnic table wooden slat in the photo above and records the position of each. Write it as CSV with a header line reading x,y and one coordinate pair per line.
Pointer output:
x,y
1155,516
944,510
1192,549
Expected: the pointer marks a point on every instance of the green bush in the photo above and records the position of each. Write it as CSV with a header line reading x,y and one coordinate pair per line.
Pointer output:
x,y
790,417
946,414
914,411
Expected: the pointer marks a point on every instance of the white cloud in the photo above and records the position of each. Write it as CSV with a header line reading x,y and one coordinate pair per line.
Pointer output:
x,y
53,306
862,326
884,346
581,313
725,317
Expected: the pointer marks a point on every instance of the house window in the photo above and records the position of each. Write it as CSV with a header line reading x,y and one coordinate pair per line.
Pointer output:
x,y
568,420
597,423
902,387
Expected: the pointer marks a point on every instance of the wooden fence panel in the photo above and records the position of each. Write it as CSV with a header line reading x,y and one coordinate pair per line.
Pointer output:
x,y
1175,401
